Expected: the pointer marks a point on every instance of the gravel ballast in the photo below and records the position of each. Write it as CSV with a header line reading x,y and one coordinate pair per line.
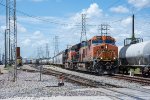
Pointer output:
x,y
102,79
28,85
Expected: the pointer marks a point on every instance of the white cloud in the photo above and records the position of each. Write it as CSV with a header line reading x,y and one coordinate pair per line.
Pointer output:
x,y
26,42
92,13
93,10
126,22
119,9
20,28
37,35
140,3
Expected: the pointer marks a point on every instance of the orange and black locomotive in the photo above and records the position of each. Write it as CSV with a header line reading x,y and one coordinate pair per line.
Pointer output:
x,y
99,54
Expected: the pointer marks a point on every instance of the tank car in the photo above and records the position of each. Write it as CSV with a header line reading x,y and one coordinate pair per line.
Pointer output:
x,y
135,56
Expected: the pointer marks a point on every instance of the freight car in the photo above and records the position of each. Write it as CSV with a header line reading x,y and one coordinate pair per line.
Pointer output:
x,y
19,58
59,59
135,56
99,54
43,61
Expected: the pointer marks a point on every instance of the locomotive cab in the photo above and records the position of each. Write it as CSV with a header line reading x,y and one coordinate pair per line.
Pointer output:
x,y
105,53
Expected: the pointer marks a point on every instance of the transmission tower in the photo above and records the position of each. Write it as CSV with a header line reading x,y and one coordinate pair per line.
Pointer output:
x,y
47,51
0,55
12,29
68,46
38,52
56,50
11,35
83,32
103,29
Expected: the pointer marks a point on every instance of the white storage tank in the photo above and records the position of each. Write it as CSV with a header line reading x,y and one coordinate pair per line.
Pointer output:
x,y
135,54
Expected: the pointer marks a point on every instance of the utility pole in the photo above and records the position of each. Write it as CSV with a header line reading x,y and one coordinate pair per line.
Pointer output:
x,y
5,48
83,32
11,53
3,58
6,33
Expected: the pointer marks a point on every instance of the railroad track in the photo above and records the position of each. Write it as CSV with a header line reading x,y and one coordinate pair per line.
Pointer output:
x,y
141,80
78,79
73,78
86,82
107,89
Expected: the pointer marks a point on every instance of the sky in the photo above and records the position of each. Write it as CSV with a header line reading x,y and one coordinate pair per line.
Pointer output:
x,y
39,21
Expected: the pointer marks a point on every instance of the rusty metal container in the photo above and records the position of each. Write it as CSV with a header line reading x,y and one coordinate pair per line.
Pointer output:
x,y
18,52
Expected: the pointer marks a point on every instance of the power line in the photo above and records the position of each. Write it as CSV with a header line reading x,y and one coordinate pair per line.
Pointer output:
x,y
35,17
46,20
42,19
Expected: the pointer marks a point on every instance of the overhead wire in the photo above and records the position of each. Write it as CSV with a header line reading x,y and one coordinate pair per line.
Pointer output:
x,y
55,22
63,24
38,18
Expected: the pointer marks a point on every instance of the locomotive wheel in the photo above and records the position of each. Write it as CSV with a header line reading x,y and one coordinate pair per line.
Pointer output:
x,y
98,70
112,71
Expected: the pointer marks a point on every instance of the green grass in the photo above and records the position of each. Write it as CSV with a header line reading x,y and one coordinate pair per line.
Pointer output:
x,y
8,67
136,71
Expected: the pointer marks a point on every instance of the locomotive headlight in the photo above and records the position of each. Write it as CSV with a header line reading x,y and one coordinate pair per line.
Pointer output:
x,y
106,46
114,58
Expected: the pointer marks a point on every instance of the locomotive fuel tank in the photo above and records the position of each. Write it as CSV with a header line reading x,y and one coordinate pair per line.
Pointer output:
x,y
135,54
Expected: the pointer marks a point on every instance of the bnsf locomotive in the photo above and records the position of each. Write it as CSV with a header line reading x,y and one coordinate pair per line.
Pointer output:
x,y
99,54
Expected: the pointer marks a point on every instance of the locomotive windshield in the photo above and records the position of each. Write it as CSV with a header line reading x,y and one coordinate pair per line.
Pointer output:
x,y
103,41
97,41
110,42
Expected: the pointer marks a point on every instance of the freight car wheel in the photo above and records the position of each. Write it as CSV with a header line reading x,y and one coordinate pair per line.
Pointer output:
x,y
146,72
